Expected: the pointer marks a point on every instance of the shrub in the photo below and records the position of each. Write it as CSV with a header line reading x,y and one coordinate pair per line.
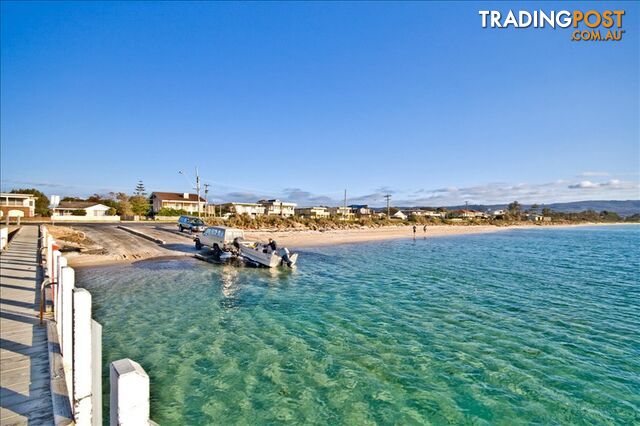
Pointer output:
x,y
171,212
79,212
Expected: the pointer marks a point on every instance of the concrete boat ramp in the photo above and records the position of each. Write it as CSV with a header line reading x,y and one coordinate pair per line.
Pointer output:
x,y
25,395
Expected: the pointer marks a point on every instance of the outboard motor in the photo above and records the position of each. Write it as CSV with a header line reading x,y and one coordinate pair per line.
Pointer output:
x,y
284,254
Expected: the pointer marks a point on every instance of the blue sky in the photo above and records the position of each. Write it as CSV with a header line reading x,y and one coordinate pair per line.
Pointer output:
x,y
303,100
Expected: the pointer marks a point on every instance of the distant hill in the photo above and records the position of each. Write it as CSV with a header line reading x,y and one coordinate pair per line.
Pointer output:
x,y
623,208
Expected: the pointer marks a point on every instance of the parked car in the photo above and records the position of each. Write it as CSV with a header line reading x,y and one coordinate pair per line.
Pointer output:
x,y
219,238
193,224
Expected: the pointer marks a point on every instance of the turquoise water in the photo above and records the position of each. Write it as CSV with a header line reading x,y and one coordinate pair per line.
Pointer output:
x,y
517,327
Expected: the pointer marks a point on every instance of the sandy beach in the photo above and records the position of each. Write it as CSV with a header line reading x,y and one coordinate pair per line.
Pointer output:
x,y
97,245
308,238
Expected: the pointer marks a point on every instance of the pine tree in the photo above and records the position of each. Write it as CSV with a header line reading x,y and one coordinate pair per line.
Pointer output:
x,y
140,190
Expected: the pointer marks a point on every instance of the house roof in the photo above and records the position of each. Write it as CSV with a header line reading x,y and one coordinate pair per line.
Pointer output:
x,y
176,196
77,204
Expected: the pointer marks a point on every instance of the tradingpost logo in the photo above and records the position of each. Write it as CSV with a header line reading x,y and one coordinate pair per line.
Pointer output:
x,y
590,25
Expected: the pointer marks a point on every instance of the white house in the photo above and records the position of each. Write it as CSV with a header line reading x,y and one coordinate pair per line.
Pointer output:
x,y
251,209
342,213
91,209
498,213
17,205
361,210
177,201
312,212
399,215
278,208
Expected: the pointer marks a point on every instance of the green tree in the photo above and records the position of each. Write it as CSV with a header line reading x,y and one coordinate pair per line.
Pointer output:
x,y
111,212
546,211
140,205
124,208
515,208
42,202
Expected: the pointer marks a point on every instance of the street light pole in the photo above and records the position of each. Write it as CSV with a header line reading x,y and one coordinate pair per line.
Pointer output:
x,y
206,199
197,187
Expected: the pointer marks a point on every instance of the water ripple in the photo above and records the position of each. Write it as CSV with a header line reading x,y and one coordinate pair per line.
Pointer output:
x,y
526,326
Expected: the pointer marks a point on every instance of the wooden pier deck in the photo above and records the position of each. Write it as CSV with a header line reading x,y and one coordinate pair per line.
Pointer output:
x,y
25,395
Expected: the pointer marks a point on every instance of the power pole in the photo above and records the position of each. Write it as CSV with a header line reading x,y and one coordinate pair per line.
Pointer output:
x,y
345,199
388,197
206,198
198,189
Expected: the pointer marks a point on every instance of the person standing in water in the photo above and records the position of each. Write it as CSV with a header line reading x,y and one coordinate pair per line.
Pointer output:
x,y
414,231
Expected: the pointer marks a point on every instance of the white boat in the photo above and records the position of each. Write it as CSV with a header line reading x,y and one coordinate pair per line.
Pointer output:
x,y
261,253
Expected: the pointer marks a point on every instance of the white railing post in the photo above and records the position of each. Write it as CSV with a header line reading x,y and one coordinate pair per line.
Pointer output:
x,y
55,277
82,362
49,255
129,395
96,380
62,263
66,320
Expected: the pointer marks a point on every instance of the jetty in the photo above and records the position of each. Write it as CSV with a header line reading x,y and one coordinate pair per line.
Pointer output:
x,y
25,396
50,346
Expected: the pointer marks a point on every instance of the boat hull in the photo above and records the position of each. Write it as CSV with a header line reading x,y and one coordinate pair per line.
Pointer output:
x,y
270,260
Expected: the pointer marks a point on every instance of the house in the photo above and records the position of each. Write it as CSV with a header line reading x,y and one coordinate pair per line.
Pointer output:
x,y
278,208
399,215
251,209
312,212
91,209
360,210
177,201
468,214
341,213
433,213
499,214
534,217
17,205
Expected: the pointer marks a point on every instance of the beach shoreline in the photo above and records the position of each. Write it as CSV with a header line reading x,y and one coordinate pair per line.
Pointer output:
x,y
301,239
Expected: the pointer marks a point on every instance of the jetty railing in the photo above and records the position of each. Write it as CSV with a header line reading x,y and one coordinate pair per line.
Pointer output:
x,y
75,353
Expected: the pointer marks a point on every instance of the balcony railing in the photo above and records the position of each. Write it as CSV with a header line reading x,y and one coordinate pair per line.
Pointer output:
x,y
12,203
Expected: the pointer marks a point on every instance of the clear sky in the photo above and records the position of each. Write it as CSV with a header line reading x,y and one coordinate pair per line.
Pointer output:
x,y
302,100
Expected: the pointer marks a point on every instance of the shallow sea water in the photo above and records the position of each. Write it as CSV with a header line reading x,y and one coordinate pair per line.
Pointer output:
x,y
516,327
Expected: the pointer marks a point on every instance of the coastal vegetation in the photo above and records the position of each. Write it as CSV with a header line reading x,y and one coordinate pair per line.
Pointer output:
x,y
511,218
42,201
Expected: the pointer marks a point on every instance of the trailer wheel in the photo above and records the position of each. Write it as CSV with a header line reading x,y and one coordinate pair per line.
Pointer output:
x,y
198,244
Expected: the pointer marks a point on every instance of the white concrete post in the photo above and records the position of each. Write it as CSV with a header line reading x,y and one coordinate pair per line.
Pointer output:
x,y
129,396
49,255
82,362
66,325
62,263
96,382
55,278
